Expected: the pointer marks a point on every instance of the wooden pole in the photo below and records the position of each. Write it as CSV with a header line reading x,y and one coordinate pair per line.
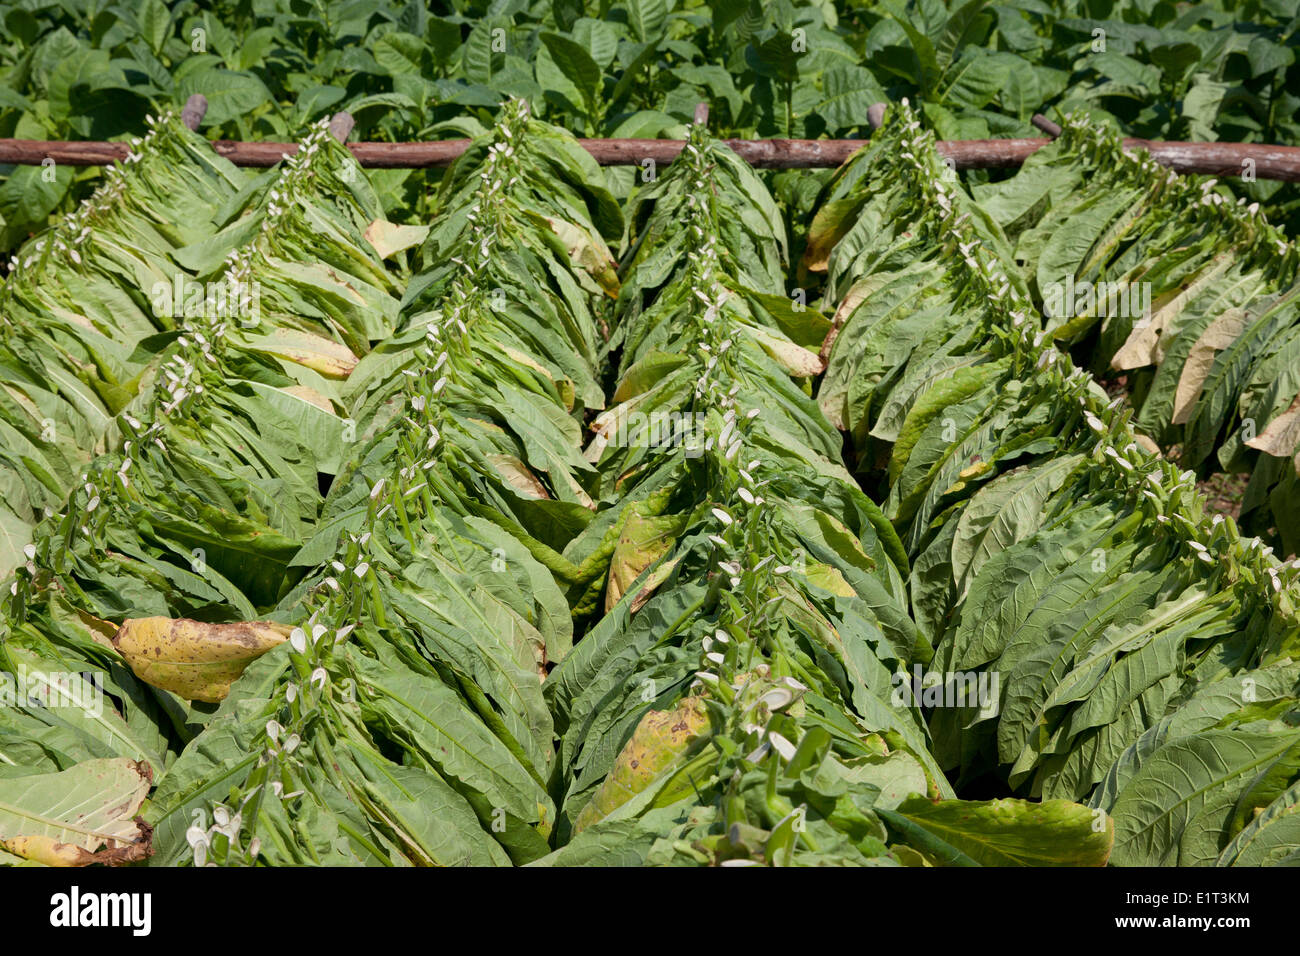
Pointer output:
x,y
1217,159
1047,126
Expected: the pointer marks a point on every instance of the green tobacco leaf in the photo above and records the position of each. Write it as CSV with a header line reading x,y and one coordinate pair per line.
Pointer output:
x,y
230,95
576,64
646,17
847,93
30,194
1175,807
958,31
1272,838
1015,832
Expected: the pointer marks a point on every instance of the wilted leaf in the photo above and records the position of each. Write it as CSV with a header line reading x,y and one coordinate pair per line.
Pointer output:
x,y
642,542
1281,437
1016,832
79,816
1221,333
389,238
193,659
331,359
594,258
516,473
661,739
795,359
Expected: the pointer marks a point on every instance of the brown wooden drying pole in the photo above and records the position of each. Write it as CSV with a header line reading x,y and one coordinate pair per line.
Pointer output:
x,y
1218,159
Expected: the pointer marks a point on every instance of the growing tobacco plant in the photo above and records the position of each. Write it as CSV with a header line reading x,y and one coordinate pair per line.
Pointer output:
x,y
414,71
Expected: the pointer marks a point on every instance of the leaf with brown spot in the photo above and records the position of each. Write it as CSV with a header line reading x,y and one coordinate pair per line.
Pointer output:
x,y
661,741
656,577
641,542
193,659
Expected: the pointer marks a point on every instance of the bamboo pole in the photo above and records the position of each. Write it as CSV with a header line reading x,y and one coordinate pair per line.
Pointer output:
x,y
1218,159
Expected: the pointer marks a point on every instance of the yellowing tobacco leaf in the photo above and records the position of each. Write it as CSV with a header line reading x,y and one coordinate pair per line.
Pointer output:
x,y
524,359
651,584
828,579
661,740
517,475
310,396
1146,344
85,814
852,299
193,659
829,226
563,385
586,253
315,352
793,358
388,238
642,542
